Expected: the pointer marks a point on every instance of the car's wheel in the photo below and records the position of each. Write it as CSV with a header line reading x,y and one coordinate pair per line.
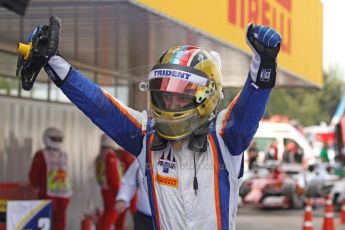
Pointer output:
x,y
244,190
312,190
296,200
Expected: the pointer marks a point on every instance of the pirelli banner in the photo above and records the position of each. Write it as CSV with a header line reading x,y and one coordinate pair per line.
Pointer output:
x,y
298,21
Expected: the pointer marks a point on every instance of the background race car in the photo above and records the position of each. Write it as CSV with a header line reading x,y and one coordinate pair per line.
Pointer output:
x,y
320,180
282,187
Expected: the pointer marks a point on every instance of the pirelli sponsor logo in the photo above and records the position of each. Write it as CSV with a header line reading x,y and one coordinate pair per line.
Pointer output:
x,y
168,181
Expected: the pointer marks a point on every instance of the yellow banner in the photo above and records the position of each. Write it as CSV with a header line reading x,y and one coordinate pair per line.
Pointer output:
x,y
299,22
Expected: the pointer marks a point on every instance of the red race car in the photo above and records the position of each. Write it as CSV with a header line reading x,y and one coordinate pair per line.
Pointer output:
x,y
283,187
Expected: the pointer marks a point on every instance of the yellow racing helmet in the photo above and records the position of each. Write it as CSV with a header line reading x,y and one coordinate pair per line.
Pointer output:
x,y
185,88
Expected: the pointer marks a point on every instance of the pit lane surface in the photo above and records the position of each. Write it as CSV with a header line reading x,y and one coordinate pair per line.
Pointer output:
x,y
250,218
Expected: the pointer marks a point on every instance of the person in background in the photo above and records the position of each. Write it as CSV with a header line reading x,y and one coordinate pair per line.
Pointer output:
x,y
111,163
272,151
339,164
340,158
49,173
324,153
291,153
132,182
252,154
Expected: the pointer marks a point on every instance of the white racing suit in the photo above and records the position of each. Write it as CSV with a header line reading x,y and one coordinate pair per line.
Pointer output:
x,y
168,174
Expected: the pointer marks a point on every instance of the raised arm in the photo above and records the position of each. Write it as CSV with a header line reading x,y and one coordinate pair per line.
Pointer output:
x,y
126,126
123,124
239,122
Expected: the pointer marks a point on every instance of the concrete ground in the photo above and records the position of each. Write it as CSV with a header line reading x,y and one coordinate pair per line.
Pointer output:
x,y
249,218
256,219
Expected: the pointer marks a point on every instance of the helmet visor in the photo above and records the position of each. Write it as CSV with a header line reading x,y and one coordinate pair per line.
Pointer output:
x,y
175,86
56,138
172,101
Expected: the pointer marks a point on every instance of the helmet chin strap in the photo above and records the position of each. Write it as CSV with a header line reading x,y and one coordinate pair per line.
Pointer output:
x,y
198,140
158,143
198,143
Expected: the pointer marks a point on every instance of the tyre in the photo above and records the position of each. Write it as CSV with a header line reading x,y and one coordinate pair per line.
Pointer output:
x,y
296,200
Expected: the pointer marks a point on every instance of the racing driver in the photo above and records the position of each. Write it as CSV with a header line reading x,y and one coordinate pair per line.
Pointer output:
x,y
193,152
